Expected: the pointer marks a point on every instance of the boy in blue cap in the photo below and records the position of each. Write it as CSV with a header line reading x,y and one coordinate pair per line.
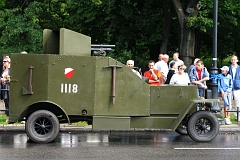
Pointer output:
x,y
225,84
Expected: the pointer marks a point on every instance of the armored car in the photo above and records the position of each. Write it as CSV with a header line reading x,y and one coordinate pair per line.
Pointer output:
x,y
65,84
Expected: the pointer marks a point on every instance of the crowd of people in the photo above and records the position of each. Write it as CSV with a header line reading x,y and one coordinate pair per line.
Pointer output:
x,y
173,73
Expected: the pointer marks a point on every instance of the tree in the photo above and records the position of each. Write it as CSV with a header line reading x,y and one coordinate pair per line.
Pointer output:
x,y
228,35
167,14
19,31
187,34
22,23
125,23
139,29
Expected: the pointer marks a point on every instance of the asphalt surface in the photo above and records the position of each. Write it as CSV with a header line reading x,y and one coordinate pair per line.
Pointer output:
x,y
116,145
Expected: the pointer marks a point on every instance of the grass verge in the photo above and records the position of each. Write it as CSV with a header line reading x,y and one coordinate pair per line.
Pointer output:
x,y
80,123
3,119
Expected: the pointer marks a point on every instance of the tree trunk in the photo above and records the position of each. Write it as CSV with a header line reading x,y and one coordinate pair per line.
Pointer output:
x,y
188,47
187,35
197,44
166,26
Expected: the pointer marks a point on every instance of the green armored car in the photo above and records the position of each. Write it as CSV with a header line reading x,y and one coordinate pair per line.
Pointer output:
x,y
66,84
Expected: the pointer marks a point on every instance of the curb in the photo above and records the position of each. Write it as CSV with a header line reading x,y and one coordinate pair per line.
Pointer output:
x,y
232,127
70,128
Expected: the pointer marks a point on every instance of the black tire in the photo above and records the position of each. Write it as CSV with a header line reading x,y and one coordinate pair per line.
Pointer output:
x,y
42,126
203,126
182,129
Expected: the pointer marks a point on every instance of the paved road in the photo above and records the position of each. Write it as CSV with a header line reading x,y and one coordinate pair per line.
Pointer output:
x,y
120,146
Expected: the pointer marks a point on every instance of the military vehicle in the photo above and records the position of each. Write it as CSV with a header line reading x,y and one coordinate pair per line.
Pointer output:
x,y
66,84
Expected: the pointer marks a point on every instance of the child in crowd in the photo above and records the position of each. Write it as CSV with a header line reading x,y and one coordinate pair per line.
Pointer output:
x,y
225,88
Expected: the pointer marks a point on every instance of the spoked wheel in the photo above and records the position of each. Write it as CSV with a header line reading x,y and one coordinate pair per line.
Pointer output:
x,y
203,126
42,126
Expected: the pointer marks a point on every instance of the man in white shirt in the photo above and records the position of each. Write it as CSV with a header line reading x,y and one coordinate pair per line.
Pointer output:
x,y
234,71
130,64
162,66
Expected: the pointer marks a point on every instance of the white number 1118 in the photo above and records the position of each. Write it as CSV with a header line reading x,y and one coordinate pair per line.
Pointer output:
x,y
69,88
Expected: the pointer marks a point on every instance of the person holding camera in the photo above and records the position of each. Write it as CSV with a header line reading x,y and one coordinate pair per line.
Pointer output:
x,y
5,81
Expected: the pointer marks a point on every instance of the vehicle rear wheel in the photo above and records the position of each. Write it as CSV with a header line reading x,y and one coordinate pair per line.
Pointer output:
x,y
182,129
203,126
42,126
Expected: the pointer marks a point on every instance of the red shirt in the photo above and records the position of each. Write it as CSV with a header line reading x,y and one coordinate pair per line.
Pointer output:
x,y
199,72
148,75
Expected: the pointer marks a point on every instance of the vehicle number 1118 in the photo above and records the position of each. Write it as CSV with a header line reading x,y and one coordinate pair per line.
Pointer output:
x,y
69,88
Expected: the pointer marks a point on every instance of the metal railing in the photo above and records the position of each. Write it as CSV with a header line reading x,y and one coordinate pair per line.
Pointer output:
x,y
4,90
237,113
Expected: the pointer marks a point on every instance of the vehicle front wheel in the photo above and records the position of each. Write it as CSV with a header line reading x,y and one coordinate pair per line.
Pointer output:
x,y
203,126
42,126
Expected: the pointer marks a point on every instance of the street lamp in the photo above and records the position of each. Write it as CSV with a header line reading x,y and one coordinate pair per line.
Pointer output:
x,y
214,69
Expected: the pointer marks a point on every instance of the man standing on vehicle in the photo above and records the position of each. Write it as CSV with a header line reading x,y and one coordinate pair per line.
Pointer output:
x,y
234,71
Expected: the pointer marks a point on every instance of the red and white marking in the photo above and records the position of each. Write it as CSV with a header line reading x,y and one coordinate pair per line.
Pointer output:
x,y
69,72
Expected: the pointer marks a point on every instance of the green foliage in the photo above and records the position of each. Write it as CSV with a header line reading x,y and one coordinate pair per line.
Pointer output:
x,y
134,26
121,22
2,3
52,15
19,31
3,119
125,55
203,21
220,62
200,22
80,123
228,27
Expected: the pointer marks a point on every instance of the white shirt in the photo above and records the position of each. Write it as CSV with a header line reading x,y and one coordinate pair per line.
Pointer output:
x,y
177,62
4,74
178,79
162,67
137,73
234,71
